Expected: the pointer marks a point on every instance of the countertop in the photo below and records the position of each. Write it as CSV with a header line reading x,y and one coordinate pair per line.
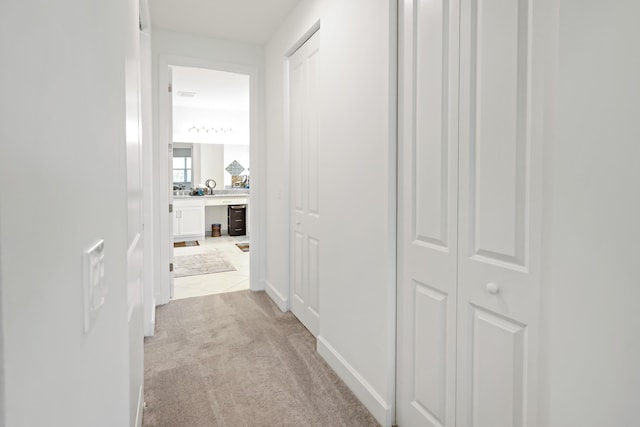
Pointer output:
x,y
218,194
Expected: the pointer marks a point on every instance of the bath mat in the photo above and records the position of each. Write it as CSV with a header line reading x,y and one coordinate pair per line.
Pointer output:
x,y
244,247
185,244
212,261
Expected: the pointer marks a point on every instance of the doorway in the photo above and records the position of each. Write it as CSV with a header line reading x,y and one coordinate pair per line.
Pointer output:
x,y
209,123
210,172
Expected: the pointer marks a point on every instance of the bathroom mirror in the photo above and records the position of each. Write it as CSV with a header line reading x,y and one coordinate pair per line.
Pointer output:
x,y
211,125
195,163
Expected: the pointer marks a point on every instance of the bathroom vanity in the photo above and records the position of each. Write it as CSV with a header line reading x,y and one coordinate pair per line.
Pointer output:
x,y
191,214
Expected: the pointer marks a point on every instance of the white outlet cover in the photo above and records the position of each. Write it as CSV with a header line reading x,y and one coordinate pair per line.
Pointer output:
x,y
94,285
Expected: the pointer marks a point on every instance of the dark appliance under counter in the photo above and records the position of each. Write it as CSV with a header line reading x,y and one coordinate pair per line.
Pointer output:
x,y
237,220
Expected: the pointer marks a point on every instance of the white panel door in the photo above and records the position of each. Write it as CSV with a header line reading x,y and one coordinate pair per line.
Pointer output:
x,y
135,240
428,210
499,220
305,203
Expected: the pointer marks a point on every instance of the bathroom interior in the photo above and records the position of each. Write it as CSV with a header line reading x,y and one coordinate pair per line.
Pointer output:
x,y
211,181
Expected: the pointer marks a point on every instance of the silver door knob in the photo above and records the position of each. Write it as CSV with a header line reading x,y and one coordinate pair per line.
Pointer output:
x,y
492,288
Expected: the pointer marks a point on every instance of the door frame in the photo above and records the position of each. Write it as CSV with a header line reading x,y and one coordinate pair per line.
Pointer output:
x,y
146,117
256,212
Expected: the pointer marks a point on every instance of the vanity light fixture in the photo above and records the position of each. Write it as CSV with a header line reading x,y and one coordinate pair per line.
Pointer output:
x,y
210,130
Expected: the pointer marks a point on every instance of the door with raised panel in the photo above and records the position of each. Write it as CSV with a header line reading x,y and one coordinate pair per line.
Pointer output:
x,y
192,220
470,122
428,214
305,182
499,222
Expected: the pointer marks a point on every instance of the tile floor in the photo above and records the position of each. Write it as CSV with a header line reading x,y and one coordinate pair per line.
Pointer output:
x,y
216,283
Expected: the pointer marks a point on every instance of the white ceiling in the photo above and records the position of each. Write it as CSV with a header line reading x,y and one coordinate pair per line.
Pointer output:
x,y
249,21
213,89
220,100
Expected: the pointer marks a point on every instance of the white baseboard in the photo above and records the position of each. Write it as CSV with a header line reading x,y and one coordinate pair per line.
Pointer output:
x,y
381,410
277,297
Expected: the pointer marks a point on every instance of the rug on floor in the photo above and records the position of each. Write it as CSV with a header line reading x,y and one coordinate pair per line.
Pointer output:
x,y
211,261
244,247
185,244
235,359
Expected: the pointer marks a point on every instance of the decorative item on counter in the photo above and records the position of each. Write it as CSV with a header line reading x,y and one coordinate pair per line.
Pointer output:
x,y
210,184
240,181
234,168
236,181
198,191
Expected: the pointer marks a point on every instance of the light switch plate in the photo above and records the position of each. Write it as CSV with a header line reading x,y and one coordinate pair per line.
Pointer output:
x,y
93,282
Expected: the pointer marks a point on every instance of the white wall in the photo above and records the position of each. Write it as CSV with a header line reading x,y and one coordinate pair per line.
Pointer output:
x,y
63,115
212,163
215,215
186,117
357,127
212,166
197,51
591,223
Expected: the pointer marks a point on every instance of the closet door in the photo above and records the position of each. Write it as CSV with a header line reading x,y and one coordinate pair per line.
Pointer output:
x,y
427,232
305,184
499,220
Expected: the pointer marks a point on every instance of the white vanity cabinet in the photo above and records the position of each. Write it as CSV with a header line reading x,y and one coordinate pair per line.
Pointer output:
x,y
192,215
188,219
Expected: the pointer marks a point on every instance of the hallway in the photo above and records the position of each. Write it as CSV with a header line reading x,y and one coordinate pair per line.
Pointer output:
x,y
235,359
477,261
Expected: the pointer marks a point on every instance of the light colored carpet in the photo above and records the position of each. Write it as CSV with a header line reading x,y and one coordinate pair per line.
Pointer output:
x,y
210,261
235,359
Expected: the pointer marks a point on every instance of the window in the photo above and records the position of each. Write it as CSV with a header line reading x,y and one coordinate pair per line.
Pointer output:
x,y
182,167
